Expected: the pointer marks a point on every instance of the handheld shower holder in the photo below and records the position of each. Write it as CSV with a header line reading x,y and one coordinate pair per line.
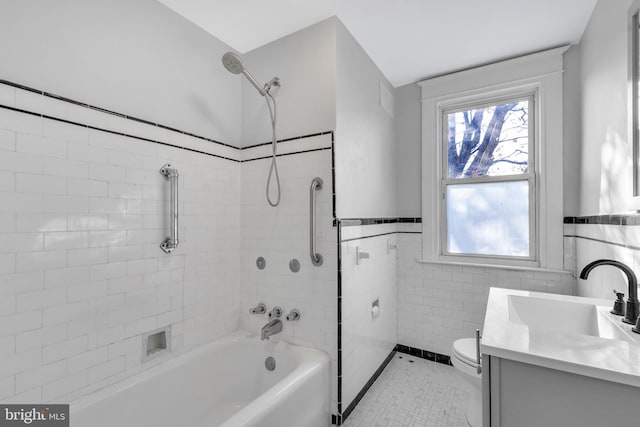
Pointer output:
x,y
274,82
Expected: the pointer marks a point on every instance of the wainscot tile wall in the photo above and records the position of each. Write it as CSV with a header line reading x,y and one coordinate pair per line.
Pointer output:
x,y
368,335
439,303
595,237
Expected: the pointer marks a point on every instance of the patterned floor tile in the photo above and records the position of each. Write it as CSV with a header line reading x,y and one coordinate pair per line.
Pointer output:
x,y
413,392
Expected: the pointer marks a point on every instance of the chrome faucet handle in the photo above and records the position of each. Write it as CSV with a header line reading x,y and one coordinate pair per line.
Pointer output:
x,y
293,315
259,309
275,312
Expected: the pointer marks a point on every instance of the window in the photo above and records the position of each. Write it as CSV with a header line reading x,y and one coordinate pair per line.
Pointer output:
x,y
492,157
488,180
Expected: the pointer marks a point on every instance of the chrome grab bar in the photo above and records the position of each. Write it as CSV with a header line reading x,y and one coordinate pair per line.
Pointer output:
x,y
171,242
316,184
479,369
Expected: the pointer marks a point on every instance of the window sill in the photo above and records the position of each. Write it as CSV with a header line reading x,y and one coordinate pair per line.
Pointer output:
x,y
495,266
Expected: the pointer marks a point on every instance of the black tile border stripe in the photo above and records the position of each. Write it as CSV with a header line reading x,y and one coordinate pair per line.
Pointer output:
x,y
288,154
611,219
343,417
311,135
155,141
351,222
369,237
104,110
157,125
424,354
356,222
140,138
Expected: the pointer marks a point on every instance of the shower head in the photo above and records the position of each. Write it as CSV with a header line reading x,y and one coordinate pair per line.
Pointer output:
x,y
233,63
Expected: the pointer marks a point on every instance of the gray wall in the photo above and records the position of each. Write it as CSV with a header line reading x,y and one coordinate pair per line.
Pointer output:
x,y
409,137
305,62
136,57
365,135
606,168
572,146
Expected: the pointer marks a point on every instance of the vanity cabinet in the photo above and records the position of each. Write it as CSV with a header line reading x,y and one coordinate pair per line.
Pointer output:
x,y
518,394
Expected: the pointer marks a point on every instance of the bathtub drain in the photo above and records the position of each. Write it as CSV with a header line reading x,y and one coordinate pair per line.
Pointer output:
x,y
270,363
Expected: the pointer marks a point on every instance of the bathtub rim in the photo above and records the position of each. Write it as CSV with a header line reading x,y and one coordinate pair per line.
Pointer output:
x,y
182,358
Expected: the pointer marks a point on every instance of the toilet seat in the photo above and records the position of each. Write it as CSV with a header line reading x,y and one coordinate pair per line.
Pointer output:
x,y
465,351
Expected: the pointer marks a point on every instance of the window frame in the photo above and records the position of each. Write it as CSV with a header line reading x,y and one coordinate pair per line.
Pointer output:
x,y
530,175
540,74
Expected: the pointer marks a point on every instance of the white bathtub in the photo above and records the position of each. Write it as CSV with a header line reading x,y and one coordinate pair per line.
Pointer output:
x,y
222,384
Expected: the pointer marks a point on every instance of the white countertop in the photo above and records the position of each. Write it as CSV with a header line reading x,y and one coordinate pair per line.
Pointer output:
x,y
608,359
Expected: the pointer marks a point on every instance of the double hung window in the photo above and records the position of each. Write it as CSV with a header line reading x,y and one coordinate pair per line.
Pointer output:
x,y
492,164
488,180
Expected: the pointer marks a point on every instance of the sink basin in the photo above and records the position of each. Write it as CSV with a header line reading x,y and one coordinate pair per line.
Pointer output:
x,y
567,333
582,318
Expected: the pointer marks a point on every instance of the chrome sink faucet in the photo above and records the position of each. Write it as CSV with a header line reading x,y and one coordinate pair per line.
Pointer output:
x,y
633,306
271,328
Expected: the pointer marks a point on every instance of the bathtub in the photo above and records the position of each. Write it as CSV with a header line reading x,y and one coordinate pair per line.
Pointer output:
x,y
224,383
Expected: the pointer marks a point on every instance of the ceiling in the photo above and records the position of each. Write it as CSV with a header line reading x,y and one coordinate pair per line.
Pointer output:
x,y
409,40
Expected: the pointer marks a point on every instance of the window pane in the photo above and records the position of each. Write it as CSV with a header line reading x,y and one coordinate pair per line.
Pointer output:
x,y
488,218
490,141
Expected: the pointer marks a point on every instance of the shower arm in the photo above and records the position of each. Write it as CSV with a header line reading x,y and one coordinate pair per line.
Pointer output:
x,y
254,82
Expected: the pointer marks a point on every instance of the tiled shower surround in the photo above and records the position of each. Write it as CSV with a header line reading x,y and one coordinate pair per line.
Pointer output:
x,y
83,209
281,236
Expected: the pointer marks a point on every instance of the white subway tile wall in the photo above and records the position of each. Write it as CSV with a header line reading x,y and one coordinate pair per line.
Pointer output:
x,y
596,241
82,213
367,339
282,234
438,303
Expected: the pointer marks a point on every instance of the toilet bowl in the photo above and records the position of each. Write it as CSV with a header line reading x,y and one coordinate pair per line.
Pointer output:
x,y
463,358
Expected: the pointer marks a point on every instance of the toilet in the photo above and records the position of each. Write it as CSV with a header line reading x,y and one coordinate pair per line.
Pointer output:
x,y
463,359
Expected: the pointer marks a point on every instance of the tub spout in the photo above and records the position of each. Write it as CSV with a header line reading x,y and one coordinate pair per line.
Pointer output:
x,y
271,328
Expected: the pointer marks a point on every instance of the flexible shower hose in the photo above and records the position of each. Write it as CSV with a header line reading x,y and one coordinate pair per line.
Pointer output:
x,y
274,165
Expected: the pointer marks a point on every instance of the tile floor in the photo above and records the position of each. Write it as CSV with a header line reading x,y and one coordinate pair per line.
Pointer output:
x,y
412,392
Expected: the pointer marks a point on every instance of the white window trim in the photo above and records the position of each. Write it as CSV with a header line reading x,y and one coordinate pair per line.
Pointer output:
x,y
539,73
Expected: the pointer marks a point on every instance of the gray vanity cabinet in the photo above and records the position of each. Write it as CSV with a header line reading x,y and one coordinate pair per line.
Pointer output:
x,y
517,394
